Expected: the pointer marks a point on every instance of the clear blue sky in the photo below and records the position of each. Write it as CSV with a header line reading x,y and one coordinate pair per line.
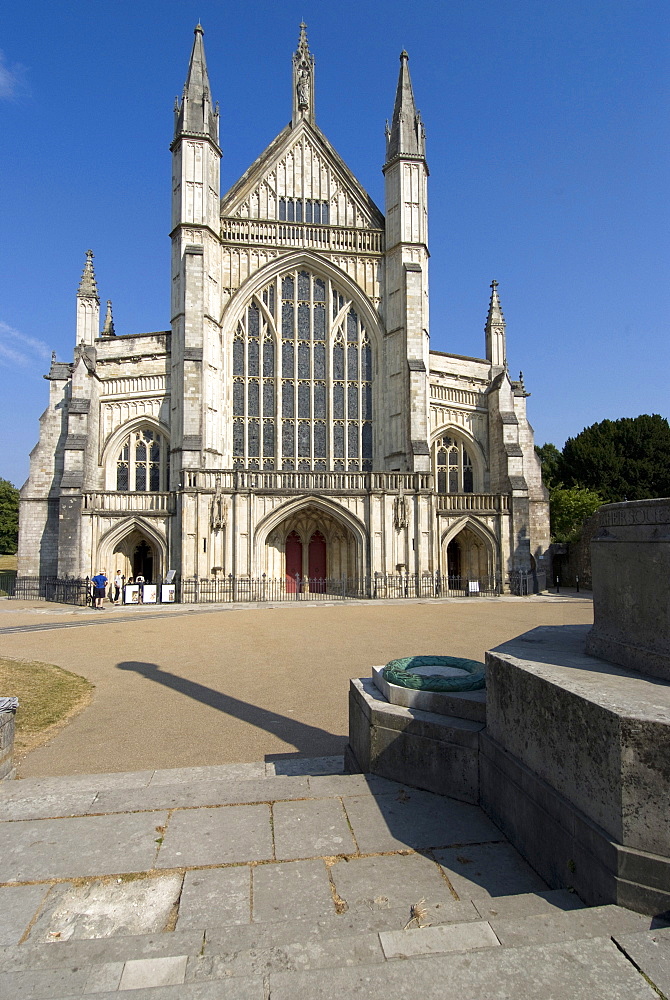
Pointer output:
x,y
548,137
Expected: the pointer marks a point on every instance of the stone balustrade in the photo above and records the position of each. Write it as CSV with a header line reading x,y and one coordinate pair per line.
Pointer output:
x,y
307,482
127,503
337,239
479,502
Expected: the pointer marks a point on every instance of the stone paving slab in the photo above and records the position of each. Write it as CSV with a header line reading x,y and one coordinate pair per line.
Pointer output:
x,y
141,973
300,765
227,835
71,783
18,906
107,909
313,828
217,772
47,805
527,904
650,951
392,880
485,870
290,890
251,988
215,897
45,984
416,819
351,784
84,846
438,940
200,793
96,951
542,928
593,969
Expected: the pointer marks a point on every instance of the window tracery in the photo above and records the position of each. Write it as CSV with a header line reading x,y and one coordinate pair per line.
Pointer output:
x,y
453,468
315,379
143,463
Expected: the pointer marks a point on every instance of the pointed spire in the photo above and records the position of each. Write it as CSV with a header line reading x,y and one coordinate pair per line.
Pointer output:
x,y
108,327
407,135
195,114
495,316
303,80
496,350
88,288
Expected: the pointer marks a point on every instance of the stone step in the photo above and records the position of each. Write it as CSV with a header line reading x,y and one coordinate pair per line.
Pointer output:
x,y
591,968
95,966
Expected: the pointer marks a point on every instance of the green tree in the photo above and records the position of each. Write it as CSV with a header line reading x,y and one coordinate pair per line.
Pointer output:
x,y
569,506
550,458
9,517
626,459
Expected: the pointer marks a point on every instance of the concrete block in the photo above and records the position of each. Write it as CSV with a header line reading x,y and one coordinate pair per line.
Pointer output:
x,y
630,562
437,940
527,904
596,733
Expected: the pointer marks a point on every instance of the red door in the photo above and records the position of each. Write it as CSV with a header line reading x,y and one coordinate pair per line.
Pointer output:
x,y
293,562
317,563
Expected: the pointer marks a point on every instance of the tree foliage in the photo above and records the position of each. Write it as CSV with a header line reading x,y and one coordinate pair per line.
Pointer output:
x,y
550,459
569,507
626,459
9,517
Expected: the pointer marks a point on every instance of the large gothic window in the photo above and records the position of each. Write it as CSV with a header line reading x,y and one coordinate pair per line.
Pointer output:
x,y
143,463
453,466
302,379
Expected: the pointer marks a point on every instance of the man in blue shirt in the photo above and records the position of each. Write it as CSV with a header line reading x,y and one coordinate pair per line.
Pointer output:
x,y
99,582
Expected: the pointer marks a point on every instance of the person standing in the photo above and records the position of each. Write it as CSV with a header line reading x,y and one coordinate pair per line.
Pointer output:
x,y
118,586
99,582
140,595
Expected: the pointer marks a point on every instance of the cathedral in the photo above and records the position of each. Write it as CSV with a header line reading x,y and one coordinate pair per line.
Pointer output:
x,y
293,422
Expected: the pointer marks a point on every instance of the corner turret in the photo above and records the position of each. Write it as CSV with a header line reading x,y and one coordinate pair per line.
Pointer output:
x,y
195,116
496,349
88,305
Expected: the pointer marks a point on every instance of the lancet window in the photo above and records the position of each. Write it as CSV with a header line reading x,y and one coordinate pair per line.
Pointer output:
x,y
143,463
453,470
302,379
303,210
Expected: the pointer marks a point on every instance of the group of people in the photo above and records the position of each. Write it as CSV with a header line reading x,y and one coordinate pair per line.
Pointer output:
x,y
99,584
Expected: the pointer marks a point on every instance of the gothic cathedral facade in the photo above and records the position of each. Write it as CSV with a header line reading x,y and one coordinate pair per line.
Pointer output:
x,y
293,421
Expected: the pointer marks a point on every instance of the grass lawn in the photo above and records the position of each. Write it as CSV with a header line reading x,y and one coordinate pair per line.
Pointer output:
x,y
49,698
8,562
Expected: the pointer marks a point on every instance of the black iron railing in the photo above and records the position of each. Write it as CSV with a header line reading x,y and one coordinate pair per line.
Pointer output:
x,y
61,590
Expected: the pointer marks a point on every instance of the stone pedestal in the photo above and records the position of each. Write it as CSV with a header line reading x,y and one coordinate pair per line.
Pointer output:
x,y
630,558
428,749
7,769
575,767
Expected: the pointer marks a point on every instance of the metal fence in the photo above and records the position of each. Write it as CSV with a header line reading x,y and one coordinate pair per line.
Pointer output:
x,y
233,589
61,590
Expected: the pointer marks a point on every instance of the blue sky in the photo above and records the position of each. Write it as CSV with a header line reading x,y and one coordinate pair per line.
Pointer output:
x,y
547,135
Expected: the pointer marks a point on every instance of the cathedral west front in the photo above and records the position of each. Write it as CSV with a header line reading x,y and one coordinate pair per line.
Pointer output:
x,y
293,422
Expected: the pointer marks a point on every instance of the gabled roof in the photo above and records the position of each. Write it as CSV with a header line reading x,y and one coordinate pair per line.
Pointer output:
x,y
288,138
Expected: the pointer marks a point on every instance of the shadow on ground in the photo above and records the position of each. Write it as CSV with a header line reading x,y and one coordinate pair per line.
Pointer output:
x,y
309,741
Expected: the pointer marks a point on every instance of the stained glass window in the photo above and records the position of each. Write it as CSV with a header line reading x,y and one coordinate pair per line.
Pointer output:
x,y
143,463
323,373
454,472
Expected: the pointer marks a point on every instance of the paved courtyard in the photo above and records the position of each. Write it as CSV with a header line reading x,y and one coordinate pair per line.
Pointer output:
x,y
185,686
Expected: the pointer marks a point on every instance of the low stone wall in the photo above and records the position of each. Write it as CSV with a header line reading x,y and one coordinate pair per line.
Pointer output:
x,y
7,720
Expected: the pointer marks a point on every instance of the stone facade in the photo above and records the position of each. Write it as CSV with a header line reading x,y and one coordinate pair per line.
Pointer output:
x,y
294,419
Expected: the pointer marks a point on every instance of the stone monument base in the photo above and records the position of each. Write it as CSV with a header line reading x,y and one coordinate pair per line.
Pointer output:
x,y
7,769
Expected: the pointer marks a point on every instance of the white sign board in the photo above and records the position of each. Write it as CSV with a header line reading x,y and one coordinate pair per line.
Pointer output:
x,y
168,593
473,586
131,594
149,593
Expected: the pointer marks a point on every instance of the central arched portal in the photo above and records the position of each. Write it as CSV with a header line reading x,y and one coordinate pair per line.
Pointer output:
x,y
469,556
311,549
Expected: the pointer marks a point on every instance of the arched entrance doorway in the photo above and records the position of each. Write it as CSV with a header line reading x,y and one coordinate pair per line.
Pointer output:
x,y
470,558
143,561
314,545
136,554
